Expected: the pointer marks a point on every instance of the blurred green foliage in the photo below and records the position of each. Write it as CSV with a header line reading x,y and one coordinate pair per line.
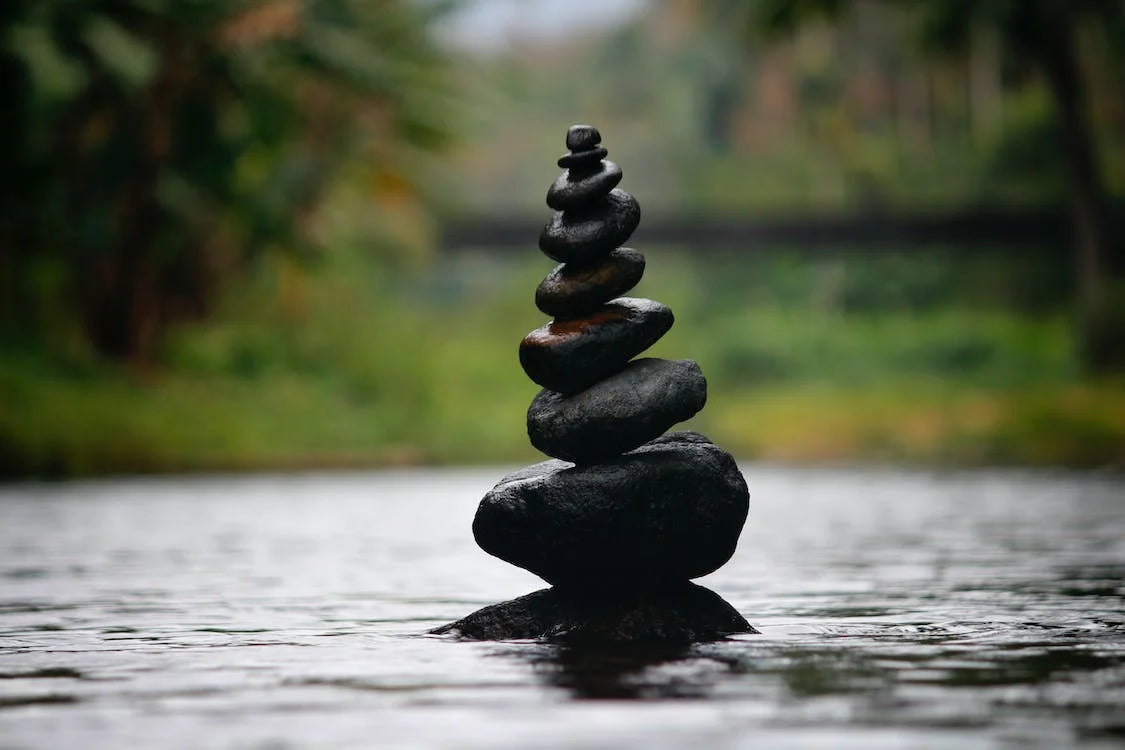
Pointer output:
x,y
364,365
152,148
218,240
708,115
1047,38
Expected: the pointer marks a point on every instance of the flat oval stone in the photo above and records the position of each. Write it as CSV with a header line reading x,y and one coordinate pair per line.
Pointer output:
x,y
617,414
576,189
581,159
571,290
569,355
582,137
670,511
589,233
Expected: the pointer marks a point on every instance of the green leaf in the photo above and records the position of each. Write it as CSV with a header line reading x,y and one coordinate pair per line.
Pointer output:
x,y
54,76
127,57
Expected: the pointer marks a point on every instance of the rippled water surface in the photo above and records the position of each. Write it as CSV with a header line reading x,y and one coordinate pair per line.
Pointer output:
x,y
911,610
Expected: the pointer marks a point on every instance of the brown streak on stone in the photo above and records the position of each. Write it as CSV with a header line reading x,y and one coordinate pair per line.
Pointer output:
x,y
575,326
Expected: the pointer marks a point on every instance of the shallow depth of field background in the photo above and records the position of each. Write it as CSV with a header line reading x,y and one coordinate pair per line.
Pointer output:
x,y
283,234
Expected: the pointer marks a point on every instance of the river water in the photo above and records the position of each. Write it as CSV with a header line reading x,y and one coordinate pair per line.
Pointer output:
x,y
897,609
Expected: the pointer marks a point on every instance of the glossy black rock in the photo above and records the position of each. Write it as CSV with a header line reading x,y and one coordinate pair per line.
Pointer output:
x,y
667,512
583,159
571,290
686,613
618,413
574,190
589,233
582,137
572,354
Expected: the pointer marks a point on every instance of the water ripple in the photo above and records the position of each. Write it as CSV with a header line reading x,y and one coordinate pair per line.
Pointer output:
x,y
917,610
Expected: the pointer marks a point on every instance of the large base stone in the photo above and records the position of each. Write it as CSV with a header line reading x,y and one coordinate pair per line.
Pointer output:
x,y
686,613
662,514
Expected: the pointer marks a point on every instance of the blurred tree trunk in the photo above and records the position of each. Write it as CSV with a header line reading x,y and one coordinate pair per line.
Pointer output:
x,y
1058,58
126,306
986,86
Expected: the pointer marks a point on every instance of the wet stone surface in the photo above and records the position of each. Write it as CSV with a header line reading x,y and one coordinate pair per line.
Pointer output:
x,y
569,355
582,159
587,234
667,512
618,413
582,137
571,290
686,613
573,189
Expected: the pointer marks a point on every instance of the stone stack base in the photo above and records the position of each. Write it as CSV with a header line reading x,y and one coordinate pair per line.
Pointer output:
x,y
685,613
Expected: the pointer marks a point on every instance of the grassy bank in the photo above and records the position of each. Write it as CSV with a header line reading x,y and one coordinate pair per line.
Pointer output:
x,y
355,366
110,423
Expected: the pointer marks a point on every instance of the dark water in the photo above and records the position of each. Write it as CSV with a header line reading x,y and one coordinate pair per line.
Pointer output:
x,y
908,610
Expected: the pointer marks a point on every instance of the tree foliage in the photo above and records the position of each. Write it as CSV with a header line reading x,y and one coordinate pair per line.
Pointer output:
x,y
1043,36
151,148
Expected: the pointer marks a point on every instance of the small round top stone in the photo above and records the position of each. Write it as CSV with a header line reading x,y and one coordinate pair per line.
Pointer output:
x,y
582,137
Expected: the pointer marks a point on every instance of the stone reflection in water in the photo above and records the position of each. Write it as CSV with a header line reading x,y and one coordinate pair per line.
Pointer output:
x,y
639,671
663,670
622,518
864,683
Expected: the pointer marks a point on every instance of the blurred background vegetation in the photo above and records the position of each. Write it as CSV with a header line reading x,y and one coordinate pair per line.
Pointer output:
x,y
248,234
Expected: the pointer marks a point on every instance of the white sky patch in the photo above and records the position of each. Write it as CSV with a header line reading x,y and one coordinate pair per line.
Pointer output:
x,y
492,25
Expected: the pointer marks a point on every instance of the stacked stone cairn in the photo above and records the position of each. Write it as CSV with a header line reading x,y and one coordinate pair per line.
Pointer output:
x,y
622,518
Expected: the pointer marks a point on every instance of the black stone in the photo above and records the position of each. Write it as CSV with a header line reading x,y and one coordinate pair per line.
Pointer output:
x,y
589,233
582,159
686,613
571,290
569,355
667,512
576,189
582,137
618,413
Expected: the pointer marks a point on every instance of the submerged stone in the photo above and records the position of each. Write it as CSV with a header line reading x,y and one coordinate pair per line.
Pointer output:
x,y
571,290
685,613
618,413
569,355
665,513
589,233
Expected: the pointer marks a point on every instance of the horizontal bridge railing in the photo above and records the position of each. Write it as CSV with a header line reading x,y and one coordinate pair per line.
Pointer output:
x,y
1014,229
